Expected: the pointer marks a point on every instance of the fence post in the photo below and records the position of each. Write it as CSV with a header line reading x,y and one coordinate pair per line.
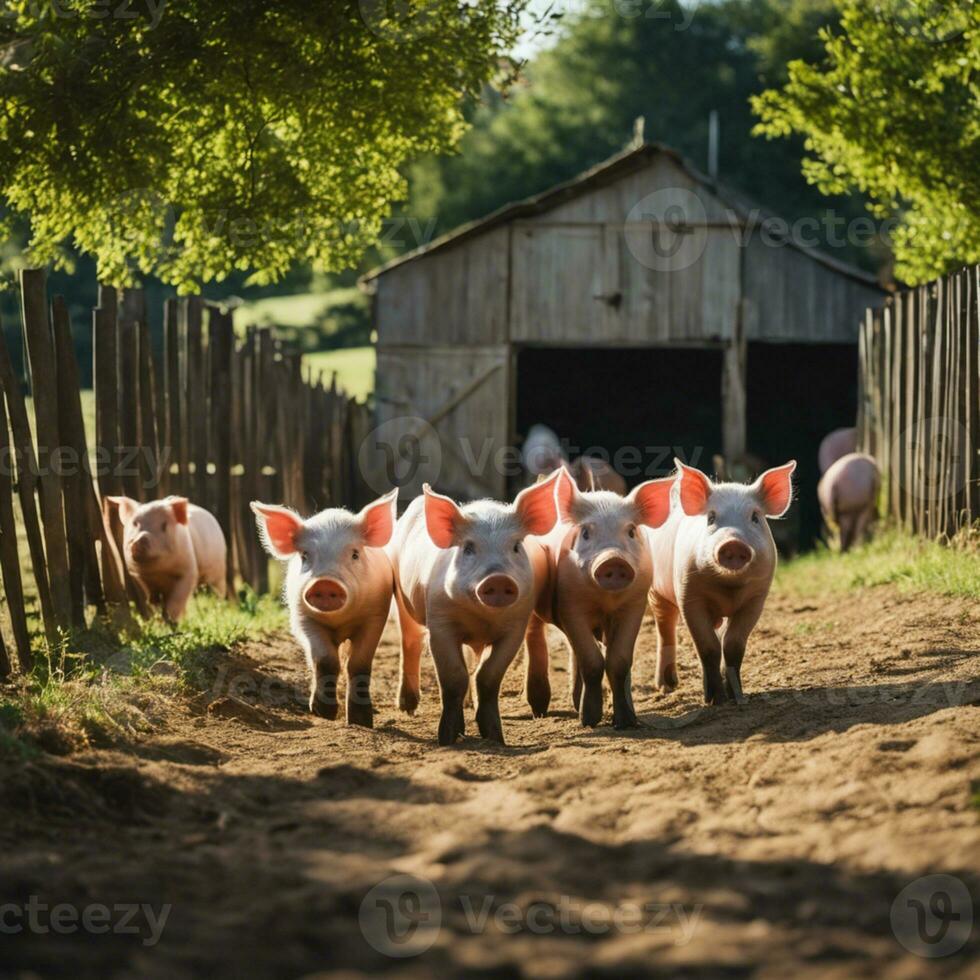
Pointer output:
x,y
13,586
44,387
220,349
127,379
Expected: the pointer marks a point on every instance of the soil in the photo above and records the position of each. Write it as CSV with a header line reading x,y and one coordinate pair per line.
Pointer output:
x,y
767,840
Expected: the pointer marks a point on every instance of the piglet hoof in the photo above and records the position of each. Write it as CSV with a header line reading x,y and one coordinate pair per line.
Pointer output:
x,y
451,725
324,709
360,714
733,685
591,711
668,682
408,700
624,717
714,689
539,698
488,721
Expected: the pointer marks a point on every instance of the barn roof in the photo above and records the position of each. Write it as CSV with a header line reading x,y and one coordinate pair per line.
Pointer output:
x,y
625,162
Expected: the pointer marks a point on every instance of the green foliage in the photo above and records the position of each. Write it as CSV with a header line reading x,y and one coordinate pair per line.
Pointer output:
x,y
192,140
313,321
892,558
892,109
354,367
672,64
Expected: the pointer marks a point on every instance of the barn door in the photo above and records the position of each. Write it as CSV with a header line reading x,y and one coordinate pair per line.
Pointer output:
x,y
443,419
565,282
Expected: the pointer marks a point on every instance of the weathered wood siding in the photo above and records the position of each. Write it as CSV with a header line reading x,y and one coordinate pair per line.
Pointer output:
x,y
419,392
793,297
458,295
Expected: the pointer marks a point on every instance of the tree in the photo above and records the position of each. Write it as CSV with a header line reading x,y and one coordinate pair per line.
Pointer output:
x,y
892,109
194,139
669,62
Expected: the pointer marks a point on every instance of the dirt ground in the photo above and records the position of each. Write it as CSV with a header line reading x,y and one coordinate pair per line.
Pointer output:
x,y
769,840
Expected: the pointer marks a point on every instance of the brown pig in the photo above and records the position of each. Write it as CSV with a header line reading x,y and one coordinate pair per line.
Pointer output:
x,y
714,560
470,576
597,593
170,547
848,494
338,588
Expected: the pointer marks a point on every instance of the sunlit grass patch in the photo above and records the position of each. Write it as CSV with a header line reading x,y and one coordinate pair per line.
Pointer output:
x,y
891,558
95,688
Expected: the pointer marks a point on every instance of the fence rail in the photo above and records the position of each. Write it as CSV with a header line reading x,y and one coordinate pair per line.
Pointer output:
x,y
220,419
919,405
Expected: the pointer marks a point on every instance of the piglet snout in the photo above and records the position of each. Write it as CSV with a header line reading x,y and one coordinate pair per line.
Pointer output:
x,y
613,572
497,591
140,547
733,555
325,595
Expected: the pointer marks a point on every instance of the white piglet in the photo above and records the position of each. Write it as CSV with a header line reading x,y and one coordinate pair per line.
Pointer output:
x,y
338,589
713,562
470,576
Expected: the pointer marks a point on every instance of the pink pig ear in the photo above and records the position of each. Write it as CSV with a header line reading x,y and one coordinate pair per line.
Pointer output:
x,y
695,489
775,489
125,505
652,500
443,519
378,520
277,528
566,493
179,506
536,506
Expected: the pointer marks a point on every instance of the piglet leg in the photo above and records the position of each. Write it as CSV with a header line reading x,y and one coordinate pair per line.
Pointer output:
x,y
489,675
175,602
454,679
324,662
619,664
537,684
701,624
740,625
590,665
363,645
413,639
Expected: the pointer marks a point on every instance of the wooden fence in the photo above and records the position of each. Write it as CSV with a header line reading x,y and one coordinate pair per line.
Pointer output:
x,y
221,419
919,405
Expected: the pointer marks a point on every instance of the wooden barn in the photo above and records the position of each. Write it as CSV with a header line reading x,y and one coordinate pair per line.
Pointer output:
x,y
639,309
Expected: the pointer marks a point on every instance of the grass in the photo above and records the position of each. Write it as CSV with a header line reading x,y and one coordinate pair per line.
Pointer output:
x,y
892,558
354,367
96,688
298,310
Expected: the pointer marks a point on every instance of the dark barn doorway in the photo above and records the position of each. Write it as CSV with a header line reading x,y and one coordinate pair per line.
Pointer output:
x,y
796,394
642,406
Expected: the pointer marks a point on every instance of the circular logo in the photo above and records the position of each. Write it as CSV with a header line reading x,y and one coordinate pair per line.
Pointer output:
x,y
401,916
665,231
933,916
403,451
938,449
932,21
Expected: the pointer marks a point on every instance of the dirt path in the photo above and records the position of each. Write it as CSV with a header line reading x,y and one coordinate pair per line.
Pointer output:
x,y
769,840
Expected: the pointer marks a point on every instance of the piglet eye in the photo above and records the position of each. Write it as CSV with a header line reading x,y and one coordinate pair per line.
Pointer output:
x,y
517,548
304,556
632,532
755,517
712,517
355,555
469,548
585,534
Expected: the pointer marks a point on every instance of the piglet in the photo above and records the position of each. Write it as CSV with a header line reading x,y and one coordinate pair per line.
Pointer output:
x,y
594,473
848,494
170,547
470,576
600,576
713,561
338,589
834,445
